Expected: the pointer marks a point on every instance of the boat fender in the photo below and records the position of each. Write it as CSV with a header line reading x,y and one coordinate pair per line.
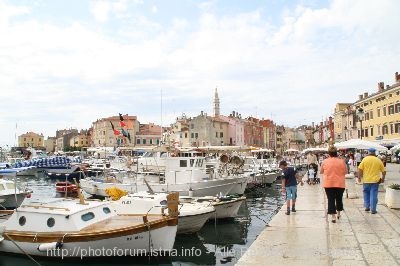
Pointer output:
x,y
49,246
190,192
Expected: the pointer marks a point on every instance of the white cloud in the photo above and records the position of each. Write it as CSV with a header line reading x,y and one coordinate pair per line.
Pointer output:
x,y
296,70
100,10
154,9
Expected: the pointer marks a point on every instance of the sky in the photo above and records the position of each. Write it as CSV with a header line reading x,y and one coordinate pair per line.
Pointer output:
x,y
66,63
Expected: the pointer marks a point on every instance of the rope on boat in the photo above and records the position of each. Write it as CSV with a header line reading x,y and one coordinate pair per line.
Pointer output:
x,y
23,251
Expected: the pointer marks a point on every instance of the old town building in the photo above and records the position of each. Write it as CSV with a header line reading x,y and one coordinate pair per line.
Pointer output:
x,y
123,134
31,139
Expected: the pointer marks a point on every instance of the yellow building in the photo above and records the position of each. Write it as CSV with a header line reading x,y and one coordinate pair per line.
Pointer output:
x,y
381,112
340,122
31,139
81,140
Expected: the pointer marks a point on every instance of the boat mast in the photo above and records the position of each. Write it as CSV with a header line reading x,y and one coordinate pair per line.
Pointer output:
x,y
161,139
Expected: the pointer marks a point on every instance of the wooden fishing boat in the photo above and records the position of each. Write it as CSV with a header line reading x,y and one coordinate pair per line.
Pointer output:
x,y
64,228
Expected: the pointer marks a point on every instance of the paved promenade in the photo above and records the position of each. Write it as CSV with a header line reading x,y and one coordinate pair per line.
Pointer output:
x,y
308,237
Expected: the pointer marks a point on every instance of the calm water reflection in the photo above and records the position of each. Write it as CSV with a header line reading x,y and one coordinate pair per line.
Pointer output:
x,y
217,243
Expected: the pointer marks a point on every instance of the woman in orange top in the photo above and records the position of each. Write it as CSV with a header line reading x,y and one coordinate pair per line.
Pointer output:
x,y
334,170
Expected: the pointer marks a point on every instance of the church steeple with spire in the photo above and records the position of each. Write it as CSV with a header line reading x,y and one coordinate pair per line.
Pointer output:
x,y
216,103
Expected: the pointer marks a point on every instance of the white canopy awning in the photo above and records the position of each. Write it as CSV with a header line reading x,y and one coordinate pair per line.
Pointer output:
x,y
359,144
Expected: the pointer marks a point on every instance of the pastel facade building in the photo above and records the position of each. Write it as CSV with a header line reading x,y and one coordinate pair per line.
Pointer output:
x,y
381,112
103,134
31,139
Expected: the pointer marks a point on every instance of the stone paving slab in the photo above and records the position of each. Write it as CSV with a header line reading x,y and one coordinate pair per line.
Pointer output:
x,y
307,237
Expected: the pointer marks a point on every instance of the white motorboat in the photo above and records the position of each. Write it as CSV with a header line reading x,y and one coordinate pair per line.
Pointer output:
x,y
10,195
192,215
225,206
63,227
186,172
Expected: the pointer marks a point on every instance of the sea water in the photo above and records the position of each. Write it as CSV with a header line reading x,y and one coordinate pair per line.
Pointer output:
x,y
217,243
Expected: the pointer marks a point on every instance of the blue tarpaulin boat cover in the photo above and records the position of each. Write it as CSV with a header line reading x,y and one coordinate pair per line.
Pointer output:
x,y
47,162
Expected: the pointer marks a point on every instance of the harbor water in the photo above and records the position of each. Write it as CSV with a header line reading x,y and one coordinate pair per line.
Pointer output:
x,y
217,243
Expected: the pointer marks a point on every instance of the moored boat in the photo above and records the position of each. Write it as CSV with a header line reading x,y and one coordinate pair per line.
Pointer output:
x,y
192,215
11,196
185,173
225,206
76,228
66,187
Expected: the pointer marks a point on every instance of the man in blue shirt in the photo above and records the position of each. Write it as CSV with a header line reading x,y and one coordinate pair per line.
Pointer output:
x,y
289,185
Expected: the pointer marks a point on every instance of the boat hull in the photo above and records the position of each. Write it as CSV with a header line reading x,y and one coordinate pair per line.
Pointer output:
x,y
228,209
261,180
199,189
123,243
192,223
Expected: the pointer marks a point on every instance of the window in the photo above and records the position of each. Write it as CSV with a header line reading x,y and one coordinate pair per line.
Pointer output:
x,y
379,112
151,141
183,163
391,109
397,128
366,132
22,220
199,162
106,210
391,129
385,130
221,134
51,222
384,110
216,134
144,141
191,162
137,141
87,216
397,108
196,135
372,131
186,135
371,116
192,135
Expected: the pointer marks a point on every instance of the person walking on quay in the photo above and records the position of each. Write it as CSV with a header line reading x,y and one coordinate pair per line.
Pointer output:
x,y
372,171
289,185
334,170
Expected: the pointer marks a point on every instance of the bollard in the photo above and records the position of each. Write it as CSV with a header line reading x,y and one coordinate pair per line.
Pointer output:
x,y
351,192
